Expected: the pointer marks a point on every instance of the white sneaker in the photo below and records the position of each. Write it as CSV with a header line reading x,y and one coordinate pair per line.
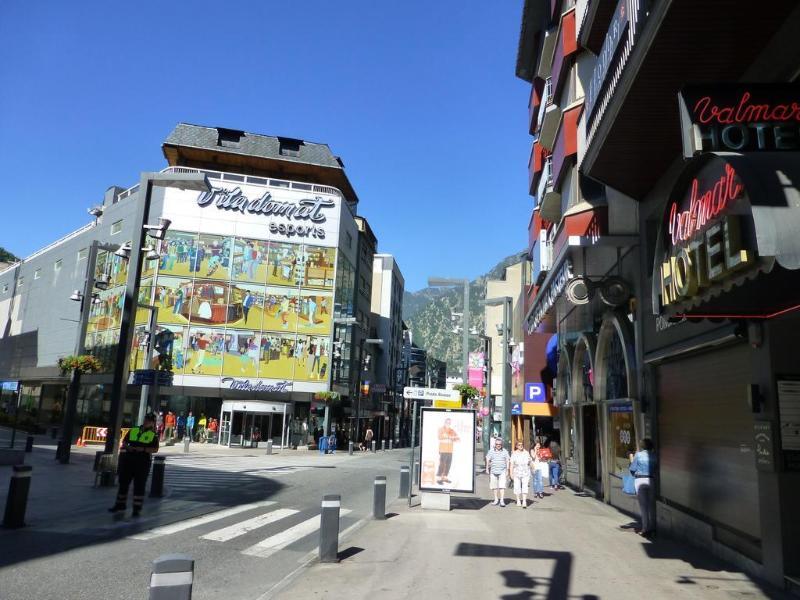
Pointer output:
x,y
495,502
502,503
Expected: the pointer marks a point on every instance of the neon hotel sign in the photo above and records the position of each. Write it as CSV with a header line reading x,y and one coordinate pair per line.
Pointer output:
x,y
702,241
740,118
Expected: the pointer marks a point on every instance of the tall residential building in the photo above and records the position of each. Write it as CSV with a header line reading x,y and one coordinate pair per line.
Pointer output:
x,y
247,283
388,286
664,239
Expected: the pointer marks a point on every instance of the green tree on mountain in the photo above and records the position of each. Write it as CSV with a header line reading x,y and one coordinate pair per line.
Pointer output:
x,y
6,256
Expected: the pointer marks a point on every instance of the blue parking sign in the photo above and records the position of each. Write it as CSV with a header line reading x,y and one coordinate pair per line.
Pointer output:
x,y
535,392
516,408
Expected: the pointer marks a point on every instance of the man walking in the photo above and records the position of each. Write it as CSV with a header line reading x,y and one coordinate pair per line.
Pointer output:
x,y
138,445
497,466
447,436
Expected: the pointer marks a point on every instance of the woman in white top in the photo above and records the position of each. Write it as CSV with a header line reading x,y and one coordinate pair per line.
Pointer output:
x,y
521,472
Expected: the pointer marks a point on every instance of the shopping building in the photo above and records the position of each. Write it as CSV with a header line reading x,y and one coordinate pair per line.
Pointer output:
x,y
247,284
664,237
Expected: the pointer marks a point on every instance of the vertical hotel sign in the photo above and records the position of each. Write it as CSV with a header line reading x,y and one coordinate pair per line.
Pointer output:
x,y
621,36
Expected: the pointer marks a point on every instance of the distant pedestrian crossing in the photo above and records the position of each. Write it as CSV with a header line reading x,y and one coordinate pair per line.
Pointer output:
x,y
206,478
249,521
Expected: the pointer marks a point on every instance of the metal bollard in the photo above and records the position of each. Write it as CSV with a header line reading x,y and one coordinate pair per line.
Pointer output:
x,y
374,445
391,442
415,476
53,433
107,470
172,577
329,529
383,445
186,441
97,456
269,446
17,496
405,482
350,448
157,481
379,498
29,444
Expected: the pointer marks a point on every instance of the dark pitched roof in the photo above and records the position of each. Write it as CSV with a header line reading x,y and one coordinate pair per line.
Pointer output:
x,y
251,144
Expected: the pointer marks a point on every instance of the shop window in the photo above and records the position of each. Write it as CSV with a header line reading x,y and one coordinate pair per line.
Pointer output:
x,y
116,227
624,441
616,371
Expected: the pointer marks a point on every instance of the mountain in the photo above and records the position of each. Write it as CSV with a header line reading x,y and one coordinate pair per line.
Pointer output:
x,y
6,256
427,314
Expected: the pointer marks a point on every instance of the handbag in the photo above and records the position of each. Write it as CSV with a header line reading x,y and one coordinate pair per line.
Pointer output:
x,y
628,484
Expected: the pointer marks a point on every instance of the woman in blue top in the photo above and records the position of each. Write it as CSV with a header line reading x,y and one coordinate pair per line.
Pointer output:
x,y
642,469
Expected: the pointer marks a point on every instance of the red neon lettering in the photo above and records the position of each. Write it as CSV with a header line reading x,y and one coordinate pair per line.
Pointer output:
x,y
703,207
744,111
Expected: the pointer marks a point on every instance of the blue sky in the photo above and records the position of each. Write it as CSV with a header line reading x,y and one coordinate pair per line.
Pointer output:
x,y
418,98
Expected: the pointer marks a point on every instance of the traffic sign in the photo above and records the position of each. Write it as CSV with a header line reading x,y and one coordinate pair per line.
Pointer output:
x,y
420,393
535,392
516,408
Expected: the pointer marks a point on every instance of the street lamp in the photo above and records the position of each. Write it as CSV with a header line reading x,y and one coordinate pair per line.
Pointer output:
x,y
147,181
362,366
446,282
505,302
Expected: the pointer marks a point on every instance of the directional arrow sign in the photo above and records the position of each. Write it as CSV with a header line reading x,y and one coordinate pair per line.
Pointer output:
x,y
420,393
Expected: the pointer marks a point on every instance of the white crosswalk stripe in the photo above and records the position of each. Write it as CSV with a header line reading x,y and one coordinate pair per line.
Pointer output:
x,y
237,529
274,543
197,521
252,465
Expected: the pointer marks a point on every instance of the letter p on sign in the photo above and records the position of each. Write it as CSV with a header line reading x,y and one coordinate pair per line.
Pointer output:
x,y
534,392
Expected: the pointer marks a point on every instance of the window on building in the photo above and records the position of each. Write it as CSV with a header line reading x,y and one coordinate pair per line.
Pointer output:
x,y
37,273
5,288
289,146
229,138
57,265
349,239
83,254
116,227
20,282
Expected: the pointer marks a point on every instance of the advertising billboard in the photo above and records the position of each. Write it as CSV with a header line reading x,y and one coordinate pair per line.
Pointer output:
x,y
447,450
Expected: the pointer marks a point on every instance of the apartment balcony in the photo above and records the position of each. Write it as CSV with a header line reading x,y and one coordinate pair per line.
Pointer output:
x,y
542,257
550,116
535,102
566,145
546,55
549,198
535,166
566,47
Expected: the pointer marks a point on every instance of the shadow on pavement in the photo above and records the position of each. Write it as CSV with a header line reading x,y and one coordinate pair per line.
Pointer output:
x,y
555,587
349,552
64,524
468,503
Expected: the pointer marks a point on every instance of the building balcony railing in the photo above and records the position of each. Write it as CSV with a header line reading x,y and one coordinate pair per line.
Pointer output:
x,y
237,178
546,180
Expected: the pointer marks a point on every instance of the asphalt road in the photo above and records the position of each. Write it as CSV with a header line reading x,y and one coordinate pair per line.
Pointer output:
x,y
260,526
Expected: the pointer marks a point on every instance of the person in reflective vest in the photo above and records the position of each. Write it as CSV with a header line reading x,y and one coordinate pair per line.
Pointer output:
x,y
134,464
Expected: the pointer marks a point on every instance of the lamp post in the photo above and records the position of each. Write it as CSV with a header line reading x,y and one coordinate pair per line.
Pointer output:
x,y
361,367
86,298
445,282
185,181
505,302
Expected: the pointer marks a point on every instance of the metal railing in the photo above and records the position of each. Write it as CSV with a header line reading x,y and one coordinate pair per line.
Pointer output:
x,y
251,179
59,241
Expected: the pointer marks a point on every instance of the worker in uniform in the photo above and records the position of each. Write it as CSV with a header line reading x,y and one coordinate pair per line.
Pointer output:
x,y
134,464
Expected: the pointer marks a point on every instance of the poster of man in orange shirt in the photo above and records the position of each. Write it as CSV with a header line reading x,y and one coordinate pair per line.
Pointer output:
x,y
447,451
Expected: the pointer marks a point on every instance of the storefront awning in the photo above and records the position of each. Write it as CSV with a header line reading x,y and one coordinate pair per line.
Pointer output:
x,y
539,409
729,244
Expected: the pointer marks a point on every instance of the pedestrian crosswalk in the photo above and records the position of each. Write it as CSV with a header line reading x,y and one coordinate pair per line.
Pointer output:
x,y
248,520
252,465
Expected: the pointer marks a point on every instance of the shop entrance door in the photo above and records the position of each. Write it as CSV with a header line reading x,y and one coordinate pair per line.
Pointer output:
x,y
225,429
591,449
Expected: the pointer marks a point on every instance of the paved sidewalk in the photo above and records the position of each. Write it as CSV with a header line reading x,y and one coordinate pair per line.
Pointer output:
x,y
564,546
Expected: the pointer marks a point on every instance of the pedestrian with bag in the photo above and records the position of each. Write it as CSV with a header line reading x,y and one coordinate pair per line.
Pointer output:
x,y
138,445
554,464
642,469
537,462
521,473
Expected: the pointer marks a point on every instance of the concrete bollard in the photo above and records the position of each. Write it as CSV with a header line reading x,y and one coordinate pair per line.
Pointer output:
x,y
269,446
17,499
29,444
383,445
172,577
350,448
157,480
329,529
405,482
379,498
374,445
186,441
